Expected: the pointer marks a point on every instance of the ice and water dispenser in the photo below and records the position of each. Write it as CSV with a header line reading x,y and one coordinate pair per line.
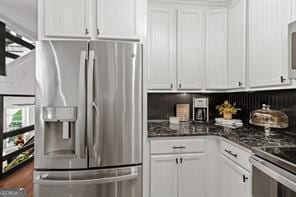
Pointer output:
x,y
59,130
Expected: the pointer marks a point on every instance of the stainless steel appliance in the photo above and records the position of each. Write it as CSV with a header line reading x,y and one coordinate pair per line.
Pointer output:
x,y
292,50
88,119
274,172
201,109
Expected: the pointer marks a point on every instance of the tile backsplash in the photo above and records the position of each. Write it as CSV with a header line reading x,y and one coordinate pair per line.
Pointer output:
x,y
163,105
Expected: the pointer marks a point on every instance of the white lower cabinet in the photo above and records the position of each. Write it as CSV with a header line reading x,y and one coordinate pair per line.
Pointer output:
x,y
191,179
234,180
164,176
199,167
180,175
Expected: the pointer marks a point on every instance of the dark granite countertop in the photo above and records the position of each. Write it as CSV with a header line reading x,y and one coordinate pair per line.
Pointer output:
x,y
247,136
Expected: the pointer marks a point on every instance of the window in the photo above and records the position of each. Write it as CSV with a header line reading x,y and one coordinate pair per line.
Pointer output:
x,y
17,132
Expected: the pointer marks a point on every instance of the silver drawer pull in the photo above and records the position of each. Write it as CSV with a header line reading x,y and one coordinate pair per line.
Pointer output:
x,y
179,147
229,152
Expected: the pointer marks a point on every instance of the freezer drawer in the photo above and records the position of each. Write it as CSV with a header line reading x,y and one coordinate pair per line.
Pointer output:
x,y
119,182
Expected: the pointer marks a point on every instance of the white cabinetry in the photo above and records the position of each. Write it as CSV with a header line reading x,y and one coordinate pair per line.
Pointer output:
x,y
67,18
234,180
191,177
216,49
190,49
237,44
177,168
268,42
164,176
161,48
175,48
177,175
203,167
235,168
120,19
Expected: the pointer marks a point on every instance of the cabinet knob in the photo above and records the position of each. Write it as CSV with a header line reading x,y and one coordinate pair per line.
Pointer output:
x,y
180,85
86,31
177,161
172,86
98,31
283,79
245,178
240,84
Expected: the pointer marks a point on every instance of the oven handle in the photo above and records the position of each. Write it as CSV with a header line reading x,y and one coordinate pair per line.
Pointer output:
x,y
280,175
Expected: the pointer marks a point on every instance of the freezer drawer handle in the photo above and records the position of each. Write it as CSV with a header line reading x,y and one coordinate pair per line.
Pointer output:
x,y
42,180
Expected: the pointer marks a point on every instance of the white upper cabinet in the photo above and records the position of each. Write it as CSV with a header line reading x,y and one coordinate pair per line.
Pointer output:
x,y
67,18
268,42
234,180
190,49
161,42
237,44
111,19
293,11
216,49
120,18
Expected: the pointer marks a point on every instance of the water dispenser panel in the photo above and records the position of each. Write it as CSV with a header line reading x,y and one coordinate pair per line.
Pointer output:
x,y
63,114
66,115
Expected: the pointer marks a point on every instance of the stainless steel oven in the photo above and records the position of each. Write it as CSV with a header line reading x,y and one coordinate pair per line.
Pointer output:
x,y
270,180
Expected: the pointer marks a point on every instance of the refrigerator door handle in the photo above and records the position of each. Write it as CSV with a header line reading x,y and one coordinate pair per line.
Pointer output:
x,y
43,180
82,93
90,106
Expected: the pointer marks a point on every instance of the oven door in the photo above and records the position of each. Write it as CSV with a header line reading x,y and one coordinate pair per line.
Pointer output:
x,y
270,180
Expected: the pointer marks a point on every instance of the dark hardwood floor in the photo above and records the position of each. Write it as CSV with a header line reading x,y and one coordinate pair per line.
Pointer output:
x,y
23,178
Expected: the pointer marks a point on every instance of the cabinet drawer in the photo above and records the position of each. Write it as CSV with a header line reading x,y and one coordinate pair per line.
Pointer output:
x,y
177,146
236,154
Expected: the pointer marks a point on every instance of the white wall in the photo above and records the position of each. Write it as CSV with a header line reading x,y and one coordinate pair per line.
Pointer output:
x,y
20,16
20,77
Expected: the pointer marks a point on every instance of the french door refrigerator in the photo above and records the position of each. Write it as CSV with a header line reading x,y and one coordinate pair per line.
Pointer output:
x,y
88,119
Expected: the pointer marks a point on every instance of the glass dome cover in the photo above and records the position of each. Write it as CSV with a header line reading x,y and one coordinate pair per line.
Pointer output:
x,y
269,118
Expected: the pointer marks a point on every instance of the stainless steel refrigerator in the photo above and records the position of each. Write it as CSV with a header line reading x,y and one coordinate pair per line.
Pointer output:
x,y
88,119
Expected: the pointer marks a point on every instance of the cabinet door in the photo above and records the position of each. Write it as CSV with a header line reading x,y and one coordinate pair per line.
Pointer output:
x,y
119,19
293,11
67,18
161,48
234,180
237,44
190,50
216,49
268,42
164,176
191,175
